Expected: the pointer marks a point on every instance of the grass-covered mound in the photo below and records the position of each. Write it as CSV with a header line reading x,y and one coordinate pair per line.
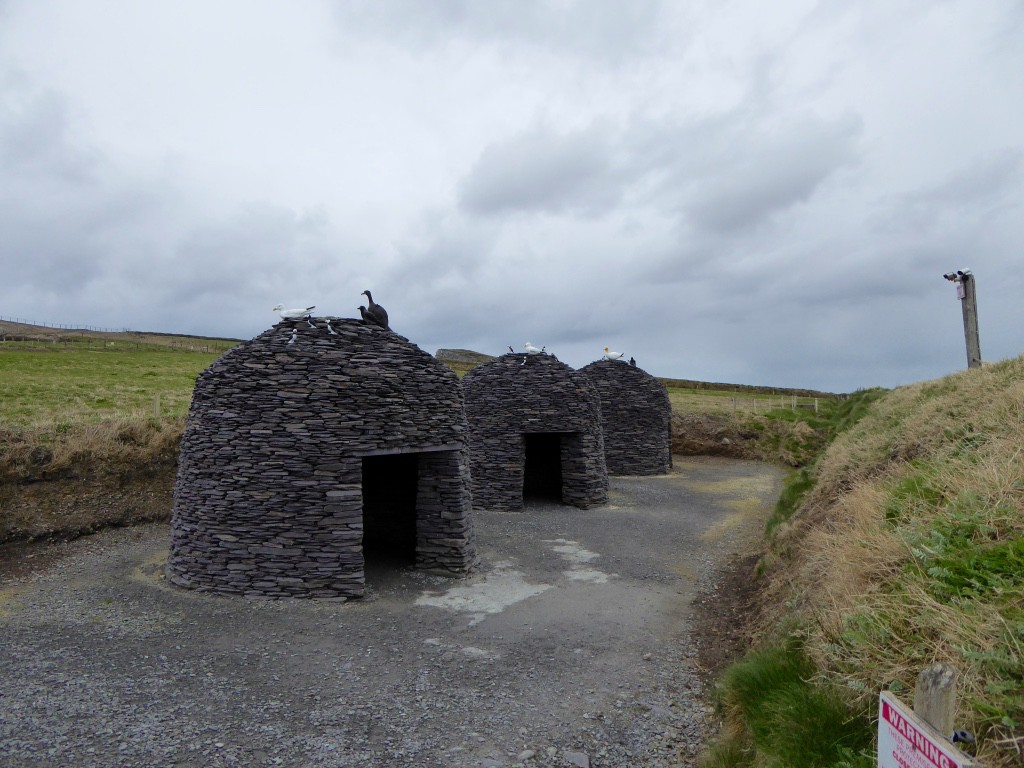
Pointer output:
x,y
906,548
89,431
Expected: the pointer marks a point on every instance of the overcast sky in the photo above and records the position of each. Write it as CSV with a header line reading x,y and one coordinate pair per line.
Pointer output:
x,y
749,192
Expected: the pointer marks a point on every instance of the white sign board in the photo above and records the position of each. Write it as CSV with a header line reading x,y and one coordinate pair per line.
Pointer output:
x,y
907,741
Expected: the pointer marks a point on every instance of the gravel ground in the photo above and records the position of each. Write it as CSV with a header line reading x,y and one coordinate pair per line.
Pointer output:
x,y
570,646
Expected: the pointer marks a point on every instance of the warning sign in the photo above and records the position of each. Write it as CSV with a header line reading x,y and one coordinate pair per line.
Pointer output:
x,y
906,741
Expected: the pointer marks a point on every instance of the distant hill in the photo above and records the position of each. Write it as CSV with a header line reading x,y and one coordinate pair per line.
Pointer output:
x,y
463,356
86,336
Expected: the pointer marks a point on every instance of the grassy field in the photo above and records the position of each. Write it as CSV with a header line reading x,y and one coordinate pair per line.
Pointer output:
x,y
688,400
67,386
65,379
58,378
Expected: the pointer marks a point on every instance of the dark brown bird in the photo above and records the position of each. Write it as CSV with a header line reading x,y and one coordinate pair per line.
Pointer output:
x,y
375,313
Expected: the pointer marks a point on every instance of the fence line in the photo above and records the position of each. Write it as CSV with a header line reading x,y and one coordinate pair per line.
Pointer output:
x,y
175,342
770,402
62,327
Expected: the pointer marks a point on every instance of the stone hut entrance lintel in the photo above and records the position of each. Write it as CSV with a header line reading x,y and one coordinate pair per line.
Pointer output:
x,y
423,449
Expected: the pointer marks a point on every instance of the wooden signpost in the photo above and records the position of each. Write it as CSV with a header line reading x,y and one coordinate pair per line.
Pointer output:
x,y
905,740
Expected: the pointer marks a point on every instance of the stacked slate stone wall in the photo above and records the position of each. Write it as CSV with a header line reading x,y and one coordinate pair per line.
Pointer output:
x,y
268,498
636,417
519,394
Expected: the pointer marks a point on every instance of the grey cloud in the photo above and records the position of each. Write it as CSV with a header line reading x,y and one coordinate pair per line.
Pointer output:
x,y
987,184
50,257
61,206
34,137
758,175
610,31
543,172
263,248
441,249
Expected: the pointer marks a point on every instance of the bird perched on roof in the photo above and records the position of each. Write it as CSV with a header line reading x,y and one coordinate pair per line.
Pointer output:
x,y
292,314
532,350
612,355
374,313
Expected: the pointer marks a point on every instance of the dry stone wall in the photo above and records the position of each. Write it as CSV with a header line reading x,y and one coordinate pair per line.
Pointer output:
x,y
518,394
268,497
636,418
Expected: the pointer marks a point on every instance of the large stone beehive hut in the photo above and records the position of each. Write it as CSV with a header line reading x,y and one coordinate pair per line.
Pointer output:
x,y
636,417
535,430
311,452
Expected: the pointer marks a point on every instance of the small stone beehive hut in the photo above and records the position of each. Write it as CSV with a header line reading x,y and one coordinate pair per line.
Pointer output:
x,y
636,417
535,430
311,452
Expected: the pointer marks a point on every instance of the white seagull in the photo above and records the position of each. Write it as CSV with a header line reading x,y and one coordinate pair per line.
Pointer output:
x,y
612,355
532,350
293,314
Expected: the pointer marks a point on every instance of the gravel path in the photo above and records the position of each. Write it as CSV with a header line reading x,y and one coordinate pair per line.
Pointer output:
x,y
570,647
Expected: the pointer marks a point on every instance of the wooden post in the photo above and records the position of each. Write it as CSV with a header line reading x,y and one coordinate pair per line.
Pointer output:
x,y
969,304
935,697
156,406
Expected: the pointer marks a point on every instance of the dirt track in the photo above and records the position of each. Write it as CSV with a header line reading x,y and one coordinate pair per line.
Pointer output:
x,y
571,646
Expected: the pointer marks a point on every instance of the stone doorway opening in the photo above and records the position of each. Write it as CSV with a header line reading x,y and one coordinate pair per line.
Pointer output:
x,y
389,485
542,466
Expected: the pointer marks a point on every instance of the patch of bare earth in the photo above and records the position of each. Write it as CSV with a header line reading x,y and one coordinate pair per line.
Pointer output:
x,y
37,517
725,615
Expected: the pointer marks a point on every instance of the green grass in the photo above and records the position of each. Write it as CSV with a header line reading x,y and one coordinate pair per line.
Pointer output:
x,y
85,385
905,546
830,421
794,488
686,399
787,717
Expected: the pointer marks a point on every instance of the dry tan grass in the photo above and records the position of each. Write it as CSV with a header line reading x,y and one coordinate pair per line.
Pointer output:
x,y
114,446
944,456
65,482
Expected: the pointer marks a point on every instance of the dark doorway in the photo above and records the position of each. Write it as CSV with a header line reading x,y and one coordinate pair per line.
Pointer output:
x,y
542,466
389,509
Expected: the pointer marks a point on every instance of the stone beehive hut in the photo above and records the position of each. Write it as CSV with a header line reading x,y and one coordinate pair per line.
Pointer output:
x,y
535,430
312,452
636,418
